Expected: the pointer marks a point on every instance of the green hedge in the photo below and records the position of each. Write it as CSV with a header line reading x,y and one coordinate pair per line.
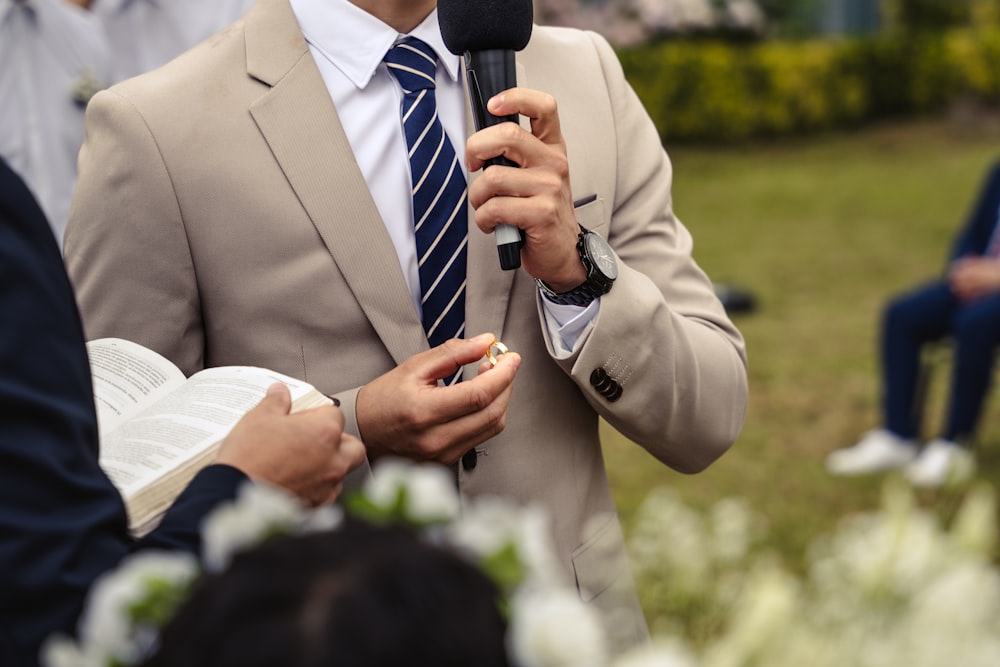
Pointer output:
x,y
719,91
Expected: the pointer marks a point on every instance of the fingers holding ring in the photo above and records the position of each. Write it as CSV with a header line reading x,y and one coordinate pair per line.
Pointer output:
x,y
495,349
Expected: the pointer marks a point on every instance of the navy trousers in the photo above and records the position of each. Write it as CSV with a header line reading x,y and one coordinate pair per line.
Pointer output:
x,y
927,314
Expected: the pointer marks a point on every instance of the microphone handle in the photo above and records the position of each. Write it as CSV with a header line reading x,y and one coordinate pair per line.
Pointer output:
x,y
490,72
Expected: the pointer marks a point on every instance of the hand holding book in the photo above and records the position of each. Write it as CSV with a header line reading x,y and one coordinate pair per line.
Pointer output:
x,y
158,428
314,454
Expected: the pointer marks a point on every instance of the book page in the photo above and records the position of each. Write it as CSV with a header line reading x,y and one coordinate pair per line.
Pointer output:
x,y
126,377
185,423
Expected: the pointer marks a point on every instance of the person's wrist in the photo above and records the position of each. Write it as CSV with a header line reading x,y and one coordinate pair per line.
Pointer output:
x,y
370,440
569,274
600,268
568,280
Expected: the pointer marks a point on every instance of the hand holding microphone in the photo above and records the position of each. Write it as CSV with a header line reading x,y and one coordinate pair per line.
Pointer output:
x,y
487,33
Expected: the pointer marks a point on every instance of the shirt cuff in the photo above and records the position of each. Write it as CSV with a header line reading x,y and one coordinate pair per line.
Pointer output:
x,y
566,324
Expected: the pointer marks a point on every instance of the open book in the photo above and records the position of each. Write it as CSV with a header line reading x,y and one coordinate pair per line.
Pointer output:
x,y
158,428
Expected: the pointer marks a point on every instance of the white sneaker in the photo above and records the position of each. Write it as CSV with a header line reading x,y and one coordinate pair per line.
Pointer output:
x,y
941,462
877,451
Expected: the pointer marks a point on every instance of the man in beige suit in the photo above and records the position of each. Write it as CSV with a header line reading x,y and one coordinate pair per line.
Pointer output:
x,y
231,210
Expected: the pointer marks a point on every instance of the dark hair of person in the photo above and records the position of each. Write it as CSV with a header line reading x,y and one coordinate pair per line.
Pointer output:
x,y
359,596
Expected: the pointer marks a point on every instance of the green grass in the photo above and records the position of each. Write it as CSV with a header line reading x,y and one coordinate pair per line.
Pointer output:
x,y
822,231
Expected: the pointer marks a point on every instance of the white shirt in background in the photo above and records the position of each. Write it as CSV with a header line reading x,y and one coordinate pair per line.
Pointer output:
x,y
145,34
52,59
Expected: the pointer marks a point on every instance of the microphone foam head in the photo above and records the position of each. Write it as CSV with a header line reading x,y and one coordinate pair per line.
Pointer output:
x,y
484,25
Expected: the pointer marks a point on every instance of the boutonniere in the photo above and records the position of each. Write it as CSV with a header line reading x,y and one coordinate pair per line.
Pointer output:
x,y
85,86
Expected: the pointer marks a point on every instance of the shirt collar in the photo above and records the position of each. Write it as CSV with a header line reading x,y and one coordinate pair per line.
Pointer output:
x,y
355,42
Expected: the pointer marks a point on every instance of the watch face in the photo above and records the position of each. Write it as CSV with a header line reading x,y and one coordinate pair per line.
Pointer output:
x,y
600,253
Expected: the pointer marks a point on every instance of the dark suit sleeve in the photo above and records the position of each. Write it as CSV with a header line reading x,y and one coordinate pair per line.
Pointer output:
x,y
975,235
62,522
181,526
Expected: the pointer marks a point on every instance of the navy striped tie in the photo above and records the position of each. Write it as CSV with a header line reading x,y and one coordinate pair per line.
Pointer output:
x,y
439,195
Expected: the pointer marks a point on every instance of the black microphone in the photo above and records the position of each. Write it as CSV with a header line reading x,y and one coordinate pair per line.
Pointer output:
x,y
487,33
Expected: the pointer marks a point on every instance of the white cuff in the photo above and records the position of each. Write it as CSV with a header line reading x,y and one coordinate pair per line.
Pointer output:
x,y
566,324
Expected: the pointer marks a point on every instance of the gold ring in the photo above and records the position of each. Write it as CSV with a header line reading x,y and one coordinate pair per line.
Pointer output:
x,y
491,355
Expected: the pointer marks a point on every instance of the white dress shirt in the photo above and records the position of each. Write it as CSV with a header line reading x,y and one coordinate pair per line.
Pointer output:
x,y
348,45
145,34
52,59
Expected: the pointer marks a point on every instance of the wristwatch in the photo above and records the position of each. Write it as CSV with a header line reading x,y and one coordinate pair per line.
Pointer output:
x,y
602,270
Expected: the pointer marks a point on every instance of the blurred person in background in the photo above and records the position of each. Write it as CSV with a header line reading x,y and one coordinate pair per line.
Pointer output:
x,y
144,34
964,307
53,58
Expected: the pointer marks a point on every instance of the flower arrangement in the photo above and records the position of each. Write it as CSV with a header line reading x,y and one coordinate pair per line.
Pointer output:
x,y
128,606
892,587
125,610
889,588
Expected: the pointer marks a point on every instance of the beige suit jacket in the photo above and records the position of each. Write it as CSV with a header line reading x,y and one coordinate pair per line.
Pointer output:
x,y
220,218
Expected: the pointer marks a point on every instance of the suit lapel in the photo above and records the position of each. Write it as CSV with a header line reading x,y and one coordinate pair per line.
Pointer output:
x,y
301,126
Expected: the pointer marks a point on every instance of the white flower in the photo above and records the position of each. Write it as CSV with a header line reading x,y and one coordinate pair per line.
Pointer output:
x,y
767,607
732,525
489,524
61,651
428,490
108,627
670,537
554,628
964,598
323,518
974,529
883,556
258,512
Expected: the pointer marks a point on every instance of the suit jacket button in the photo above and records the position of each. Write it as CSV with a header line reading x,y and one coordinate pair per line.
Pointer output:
x,y
616,394
469,459
604,382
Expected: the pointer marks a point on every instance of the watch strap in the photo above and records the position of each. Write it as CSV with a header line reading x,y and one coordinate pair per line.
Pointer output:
x,y
596,285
